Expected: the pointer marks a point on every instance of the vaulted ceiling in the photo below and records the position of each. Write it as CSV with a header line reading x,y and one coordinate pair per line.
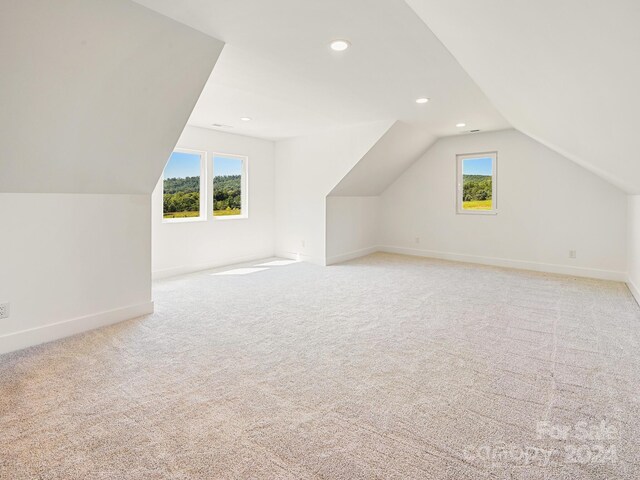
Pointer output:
x,y
277,68
78,111
566,73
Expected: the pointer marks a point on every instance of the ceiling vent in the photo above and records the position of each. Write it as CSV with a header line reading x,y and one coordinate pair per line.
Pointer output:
x,y
221,125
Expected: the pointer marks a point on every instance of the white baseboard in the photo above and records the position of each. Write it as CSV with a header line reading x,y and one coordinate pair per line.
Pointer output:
x,y
343,257
54,331
183,270
634,290
293,255
509,263
303,257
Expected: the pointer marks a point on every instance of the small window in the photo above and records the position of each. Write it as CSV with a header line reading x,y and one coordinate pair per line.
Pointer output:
x,y
229,186
183,187
477,183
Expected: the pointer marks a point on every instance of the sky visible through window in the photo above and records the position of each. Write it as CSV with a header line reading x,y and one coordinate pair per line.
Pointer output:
x,y
227,166
477,166
182,185
477,183
182,165
227,186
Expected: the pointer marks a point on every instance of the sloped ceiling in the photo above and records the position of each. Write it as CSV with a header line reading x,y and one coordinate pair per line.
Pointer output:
x,y
278,69
94,94
400,146
566,73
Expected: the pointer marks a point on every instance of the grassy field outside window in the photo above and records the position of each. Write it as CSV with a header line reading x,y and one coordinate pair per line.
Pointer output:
x,y
182,185
229,180
477,183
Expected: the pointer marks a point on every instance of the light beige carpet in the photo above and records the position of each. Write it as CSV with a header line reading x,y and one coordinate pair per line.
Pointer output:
x,y
383,367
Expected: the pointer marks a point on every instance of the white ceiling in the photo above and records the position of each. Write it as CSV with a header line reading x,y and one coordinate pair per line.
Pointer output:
x,y
83,94
566,73
374,172
277,68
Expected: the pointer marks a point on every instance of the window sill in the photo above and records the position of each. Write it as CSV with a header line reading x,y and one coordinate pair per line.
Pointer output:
x,y
224,218
184,220
477,212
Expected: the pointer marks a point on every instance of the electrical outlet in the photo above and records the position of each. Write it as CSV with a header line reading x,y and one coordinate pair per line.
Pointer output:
x,y
417,239
303,243
572,254
4,310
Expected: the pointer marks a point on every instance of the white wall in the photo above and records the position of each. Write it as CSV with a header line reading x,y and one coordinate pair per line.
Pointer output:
x,y
548,205
94,94
190,246
307,169
352,206
540,81
72,262
633,244
352,227
400,146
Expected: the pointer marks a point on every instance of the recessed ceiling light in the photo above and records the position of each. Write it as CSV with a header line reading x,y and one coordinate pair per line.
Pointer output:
x,y
460,125
422,100
340,45
245,119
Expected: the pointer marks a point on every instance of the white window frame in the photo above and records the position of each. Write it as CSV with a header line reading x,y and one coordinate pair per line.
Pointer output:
x,y
494,183
203,188
244,186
